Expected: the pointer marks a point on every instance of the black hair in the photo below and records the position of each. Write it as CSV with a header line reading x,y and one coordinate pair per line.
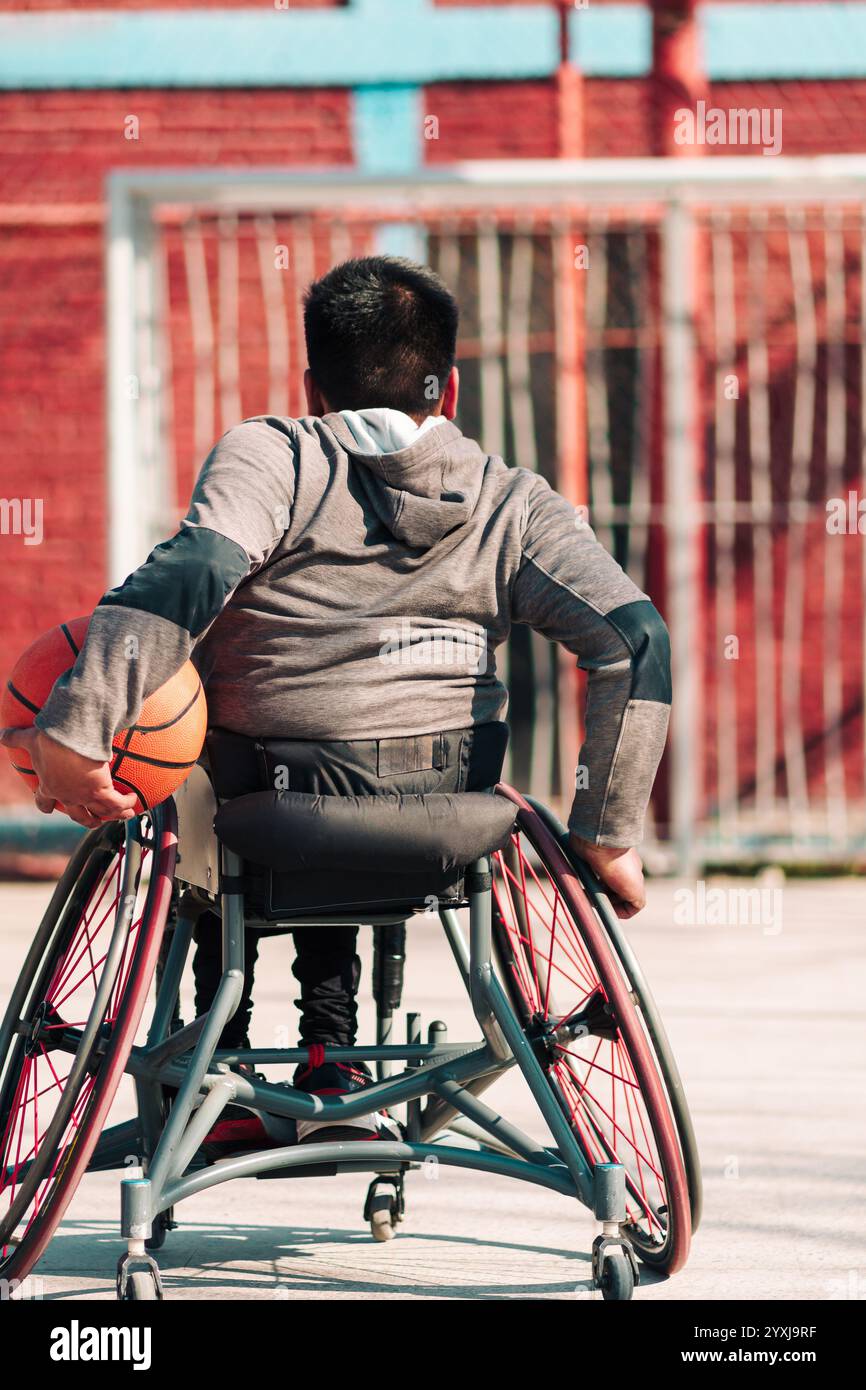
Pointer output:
x,y
381,331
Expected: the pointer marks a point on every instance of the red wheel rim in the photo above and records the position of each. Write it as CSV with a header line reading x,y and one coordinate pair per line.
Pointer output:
x,y
63,1006
573,999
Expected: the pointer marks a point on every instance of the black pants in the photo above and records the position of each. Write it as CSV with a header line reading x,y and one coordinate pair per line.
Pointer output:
x,y
326,962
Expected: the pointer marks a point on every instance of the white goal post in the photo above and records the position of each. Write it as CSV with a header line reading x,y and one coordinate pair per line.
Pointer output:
x,y
640,330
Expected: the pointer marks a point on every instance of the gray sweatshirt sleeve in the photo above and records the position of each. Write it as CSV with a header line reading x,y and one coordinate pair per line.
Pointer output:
x,y
570,589
142,632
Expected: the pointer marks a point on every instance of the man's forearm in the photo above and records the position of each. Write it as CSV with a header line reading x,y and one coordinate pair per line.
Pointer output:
x,y
627,713
126,657
570,589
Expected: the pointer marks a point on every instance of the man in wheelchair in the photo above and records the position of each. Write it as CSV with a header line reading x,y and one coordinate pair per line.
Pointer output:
x,y
343,581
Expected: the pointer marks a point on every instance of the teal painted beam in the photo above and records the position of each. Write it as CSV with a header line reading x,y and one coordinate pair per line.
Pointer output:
x,y
372,44
387,129
376,42
784,41
388,124
612,41
738,41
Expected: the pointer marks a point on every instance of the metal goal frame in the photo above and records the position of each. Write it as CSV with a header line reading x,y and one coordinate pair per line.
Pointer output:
x,y
678,191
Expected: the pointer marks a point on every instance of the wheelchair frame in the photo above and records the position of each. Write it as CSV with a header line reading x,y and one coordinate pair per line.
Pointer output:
x,y
452,1075
443,1070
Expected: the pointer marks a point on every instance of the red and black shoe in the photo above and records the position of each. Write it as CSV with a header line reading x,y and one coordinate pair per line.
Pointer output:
x,y
326,1079
239,1130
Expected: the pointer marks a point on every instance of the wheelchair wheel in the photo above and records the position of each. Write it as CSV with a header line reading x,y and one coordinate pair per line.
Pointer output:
x,y
71,1021
646,1006
576,1005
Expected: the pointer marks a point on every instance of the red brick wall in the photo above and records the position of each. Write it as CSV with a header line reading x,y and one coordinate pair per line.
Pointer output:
x,y
55,151
491,120
518,119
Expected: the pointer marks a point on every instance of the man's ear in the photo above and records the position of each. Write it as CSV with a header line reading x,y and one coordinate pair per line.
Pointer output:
x,y
316,403
452,391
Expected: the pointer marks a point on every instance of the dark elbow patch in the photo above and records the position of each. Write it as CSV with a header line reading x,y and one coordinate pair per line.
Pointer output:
x,y
186,580
643,629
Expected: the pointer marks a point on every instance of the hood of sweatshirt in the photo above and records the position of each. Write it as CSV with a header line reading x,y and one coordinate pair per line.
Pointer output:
x,y
422,481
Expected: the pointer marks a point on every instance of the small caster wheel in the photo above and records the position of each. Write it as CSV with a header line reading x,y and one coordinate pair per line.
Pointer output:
x,y
138,1279
140,1288
617,1279
614,1268
383,1219
162,1224
385,1206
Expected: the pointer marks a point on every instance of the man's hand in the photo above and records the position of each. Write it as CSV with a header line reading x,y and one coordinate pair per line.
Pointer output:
x,y
621,872
83,785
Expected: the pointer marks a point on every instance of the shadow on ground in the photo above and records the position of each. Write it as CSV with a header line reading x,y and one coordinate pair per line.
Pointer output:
x,y
282,1262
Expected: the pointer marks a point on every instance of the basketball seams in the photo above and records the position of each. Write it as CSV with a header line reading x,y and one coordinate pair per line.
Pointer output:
x,y
22,699
158,728
125,782
121,752
152,762
134,729
68,635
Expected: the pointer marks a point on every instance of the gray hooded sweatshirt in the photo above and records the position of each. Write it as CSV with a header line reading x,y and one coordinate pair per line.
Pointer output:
x,y
330,593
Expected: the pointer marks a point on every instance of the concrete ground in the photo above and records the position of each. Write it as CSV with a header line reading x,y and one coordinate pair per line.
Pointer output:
x,y
767,1024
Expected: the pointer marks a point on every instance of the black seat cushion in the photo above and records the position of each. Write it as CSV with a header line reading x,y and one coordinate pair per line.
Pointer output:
x,y
431,835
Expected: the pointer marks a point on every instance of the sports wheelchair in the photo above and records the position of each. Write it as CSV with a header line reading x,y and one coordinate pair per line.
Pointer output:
x,y
552,980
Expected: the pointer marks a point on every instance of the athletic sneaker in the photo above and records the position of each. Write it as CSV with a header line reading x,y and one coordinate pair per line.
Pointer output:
x,y
320,1078
239,1130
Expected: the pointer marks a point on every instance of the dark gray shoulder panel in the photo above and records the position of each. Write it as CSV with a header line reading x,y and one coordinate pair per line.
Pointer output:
x,y
186,579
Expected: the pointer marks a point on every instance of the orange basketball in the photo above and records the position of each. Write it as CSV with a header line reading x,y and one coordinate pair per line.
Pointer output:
x,y
152,758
